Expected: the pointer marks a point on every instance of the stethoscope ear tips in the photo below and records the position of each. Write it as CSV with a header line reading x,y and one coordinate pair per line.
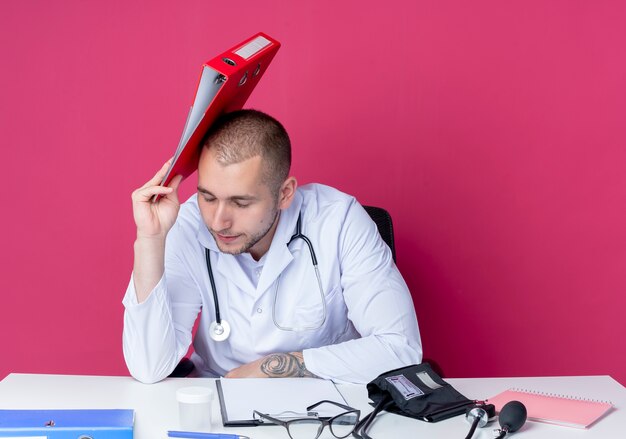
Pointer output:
x,y
219,331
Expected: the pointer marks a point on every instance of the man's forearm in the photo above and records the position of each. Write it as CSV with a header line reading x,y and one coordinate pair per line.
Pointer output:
x,y
285,365
290,364
148,265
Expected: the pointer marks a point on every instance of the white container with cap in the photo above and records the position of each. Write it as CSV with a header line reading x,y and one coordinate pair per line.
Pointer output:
x,y
194,408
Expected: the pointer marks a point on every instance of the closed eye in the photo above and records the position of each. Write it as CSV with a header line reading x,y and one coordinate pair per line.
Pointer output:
x,y
241,205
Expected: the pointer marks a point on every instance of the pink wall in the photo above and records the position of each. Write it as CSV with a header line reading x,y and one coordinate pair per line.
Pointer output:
x,y
493,131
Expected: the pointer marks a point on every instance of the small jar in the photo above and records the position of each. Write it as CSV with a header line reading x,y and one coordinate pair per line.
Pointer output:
x,y
194,408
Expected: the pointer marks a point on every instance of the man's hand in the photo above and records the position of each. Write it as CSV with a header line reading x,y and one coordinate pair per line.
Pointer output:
x,y
153,220
273,366
156,219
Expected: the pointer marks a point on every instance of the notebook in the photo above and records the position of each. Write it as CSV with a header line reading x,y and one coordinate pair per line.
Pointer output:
x,y
568,411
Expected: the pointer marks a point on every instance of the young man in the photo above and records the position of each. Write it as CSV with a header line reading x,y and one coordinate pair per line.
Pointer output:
x,y
348,319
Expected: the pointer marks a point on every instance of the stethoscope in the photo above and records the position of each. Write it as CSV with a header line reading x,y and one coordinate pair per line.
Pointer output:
x,y
219,330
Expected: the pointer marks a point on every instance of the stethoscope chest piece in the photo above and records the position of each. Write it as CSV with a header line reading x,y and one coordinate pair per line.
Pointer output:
x,y
219,331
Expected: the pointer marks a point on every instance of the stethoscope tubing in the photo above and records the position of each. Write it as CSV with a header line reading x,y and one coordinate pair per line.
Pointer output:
x,y
216,302
219,330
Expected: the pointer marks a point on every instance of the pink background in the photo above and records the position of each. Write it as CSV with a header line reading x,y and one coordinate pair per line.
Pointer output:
x,y
493,131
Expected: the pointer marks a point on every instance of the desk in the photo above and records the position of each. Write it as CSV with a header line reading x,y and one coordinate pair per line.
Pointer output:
x,y
157,410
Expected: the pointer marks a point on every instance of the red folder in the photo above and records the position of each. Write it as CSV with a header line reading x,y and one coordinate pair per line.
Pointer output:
x,y
225,84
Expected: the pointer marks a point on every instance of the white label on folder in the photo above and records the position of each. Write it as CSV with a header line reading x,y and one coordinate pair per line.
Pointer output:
x,y
253,47
404,386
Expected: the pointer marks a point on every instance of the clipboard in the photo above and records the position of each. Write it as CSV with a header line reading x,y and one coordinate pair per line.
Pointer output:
x,y
225,84
275,396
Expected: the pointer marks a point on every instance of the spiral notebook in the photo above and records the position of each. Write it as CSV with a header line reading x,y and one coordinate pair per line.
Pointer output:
x,y
568,411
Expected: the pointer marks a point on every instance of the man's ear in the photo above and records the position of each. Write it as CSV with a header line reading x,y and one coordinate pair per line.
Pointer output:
x,y
287,192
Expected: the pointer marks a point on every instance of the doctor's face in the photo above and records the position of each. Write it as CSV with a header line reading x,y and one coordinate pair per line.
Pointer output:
x,y
237,206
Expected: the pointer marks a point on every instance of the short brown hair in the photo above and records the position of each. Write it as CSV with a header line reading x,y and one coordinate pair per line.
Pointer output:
x,y
243,134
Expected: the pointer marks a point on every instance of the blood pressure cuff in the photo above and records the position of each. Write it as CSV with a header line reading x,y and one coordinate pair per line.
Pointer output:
x,y
418,392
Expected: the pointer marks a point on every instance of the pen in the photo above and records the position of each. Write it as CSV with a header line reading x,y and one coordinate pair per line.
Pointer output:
x,y
198,435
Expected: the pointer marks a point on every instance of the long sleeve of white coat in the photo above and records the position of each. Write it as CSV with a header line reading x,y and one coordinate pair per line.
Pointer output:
x,y
157,332
379,306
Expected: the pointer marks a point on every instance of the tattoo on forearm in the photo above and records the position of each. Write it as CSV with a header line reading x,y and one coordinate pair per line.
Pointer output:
x,y
285,365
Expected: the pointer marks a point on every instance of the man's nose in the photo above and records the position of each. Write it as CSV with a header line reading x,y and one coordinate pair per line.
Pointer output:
x,y
221,218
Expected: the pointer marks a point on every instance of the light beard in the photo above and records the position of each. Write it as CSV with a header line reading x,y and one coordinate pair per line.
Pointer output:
x,y
251,241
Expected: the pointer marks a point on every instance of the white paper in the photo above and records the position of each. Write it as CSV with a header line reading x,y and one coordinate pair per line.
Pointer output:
x,y
210,84
279,397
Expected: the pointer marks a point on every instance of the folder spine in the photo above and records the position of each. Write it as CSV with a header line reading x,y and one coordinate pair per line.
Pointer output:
x,y
68,433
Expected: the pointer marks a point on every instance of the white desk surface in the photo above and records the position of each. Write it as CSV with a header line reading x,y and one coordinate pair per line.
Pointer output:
x,y
157,411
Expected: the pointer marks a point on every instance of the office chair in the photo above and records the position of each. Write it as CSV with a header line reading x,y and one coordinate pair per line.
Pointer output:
x,y
385,227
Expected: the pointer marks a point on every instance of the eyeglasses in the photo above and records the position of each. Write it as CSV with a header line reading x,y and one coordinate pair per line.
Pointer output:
x,y
311,427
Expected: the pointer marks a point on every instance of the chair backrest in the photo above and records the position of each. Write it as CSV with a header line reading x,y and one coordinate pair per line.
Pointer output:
x,y
385,226
383,221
